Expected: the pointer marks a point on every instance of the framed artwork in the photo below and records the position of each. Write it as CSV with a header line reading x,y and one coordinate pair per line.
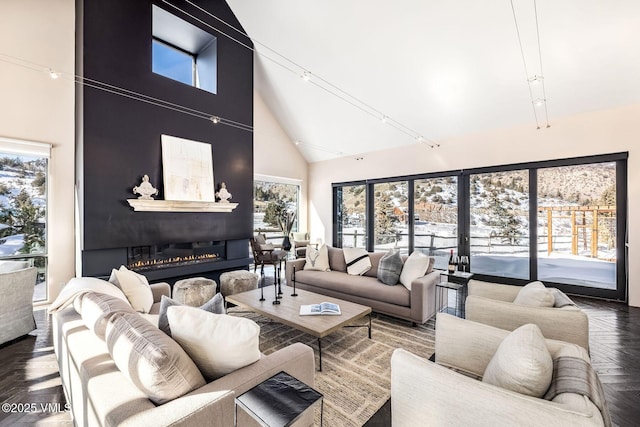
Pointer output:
x,y
188,170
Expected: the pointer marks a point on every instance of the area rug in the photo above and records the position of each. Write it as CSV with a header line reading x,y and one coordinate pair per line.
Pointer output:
x,y
356,371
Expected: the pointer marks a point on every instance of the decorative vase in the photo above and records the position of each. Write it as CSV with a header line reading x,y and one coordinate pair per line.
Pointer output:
x,y
286,243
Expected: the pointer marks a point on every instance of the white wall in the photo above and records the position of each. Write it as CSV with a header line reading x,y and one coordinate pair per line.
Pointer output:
x,y
276,156
590,133
35,107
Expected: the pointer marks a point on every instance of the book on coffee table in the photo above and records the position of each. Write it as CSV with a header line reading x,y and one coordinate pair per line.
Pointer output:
x,y
320,309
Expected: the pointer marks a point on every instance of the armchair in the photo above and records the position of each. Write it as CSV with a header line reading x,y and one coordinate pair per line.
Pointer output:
x,y
16,304
267,254
300,241
428,393
492,304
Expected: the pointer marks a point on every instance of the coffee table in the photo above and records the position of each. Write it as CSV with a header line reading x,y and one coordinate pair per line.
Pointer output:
x,y
288,312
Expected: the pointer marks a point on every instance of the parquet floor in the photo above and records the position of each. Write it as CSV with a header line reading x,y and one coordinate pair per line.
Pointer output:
x,y
29,380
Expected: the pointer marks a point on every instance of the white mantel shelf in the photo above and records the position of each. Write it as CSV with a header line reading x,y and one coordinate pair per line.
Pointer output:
x,y
140,205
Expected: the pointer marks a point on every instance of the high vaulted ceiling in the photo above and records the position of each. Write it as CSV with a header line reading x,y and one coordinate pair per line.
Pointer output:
x,y
438,68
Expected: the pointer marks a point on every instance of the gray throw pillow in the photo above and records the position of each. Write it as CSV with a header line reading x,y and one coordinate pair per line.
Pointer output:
x,y
214,305
390,268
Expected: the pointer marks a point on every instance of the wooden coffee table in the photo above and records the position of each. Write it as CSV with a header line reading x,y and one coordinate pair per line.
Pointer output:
x,y
288,312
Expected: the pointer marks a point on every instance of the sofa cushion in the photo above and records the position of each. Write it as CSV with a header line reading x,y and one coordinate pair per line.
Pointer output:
x,y
97,309
226,343
136,287
317,259
214,305
390,267
522,363
535,294
336,259
375,258
415,266
153,362
362,286
357,261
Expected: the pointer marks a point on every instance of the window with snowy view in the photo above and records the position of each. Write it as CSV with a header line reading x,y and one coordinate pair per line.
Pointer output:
x,y
577,225
23,207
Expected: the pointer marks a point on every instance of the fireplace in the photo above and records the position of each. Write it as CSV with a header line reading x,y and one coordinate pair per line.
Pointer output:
x,y
170,255
171,261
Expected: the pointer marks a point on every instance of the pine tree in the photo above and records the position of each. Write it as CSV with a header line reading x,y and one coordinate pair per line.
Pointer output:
x,y
385,221
507,223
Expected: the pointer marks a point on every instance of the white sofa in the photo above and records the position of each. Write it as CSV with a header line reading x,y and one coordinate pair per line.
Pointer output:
x,y
101,395
492,304
434,394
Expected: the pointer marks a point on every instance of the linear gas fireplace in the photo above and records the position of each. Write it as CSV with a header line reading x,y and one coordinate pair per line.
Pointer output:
x,y
155,257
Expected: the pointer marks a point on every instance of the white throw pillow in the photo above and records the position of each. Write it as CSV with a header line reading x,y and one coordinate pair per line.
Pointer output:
x,y
317,259
136,287
535,294
217,343
357,260
97,309
415,266
522,363
150,359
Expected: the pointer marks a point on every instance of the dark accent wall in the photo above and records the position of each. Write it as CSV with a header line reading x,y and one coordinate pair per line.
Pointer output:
x,y
119,137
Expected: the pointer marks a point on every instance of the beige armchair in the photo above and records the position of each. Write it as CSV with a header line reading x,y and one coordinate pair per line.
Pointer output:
x,y
434,394
16,304
492,304
300,241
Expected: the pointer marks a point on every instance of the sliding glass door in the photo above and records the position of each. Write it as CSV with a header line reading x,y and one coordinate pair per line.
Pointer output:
x,y
499,223
577,232
435,218
561,221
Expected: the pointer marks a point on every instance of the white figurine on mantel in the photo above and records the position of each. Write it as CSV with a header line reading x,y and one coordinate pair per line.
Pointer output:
x,y
223,194
145,189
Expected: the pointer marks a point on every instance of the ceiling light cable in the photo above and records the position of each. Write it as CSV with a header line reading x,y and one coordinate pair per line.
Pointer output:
x,y
544,92
95,84
524,63
301,71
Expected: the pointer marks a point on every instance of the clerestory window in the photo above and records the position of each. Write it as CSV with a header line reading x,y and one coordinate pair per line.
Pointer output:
x,y
183,52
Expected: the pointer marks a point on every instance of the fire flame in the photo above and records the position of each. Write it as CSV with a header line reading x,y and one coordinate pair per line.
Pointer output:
x,y
170,262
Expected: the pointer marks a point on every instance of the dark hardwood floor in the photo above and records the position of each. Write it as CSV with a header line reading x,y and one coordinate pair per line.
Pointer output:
x,y
30,384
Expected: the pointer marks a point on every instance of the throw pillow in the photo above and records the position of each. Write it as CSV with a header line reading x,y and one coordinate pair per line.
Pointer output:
x,y
415,266
113,279
560,299
97,309
522,363
390,268
226,343
151,360
136,287
535,294
214,305
317,259
336,259
357,260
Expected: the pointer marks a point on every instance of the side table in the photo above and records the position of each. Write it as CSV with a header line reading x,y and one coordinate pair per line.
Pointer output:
x,y
279,401
456,281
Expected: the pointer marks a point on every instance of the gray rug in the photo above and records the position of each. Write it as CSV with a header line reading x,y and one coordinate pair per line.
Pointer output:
x,y
356,371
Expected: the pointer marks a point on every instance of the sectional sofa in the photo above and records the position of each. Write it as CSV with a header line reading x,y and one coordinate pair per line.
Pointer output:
x,y
100,394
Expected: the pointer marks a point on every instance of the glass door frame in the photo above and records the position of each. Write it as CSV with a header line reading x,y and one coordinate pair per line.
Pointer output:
x,y
621,290
464,217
